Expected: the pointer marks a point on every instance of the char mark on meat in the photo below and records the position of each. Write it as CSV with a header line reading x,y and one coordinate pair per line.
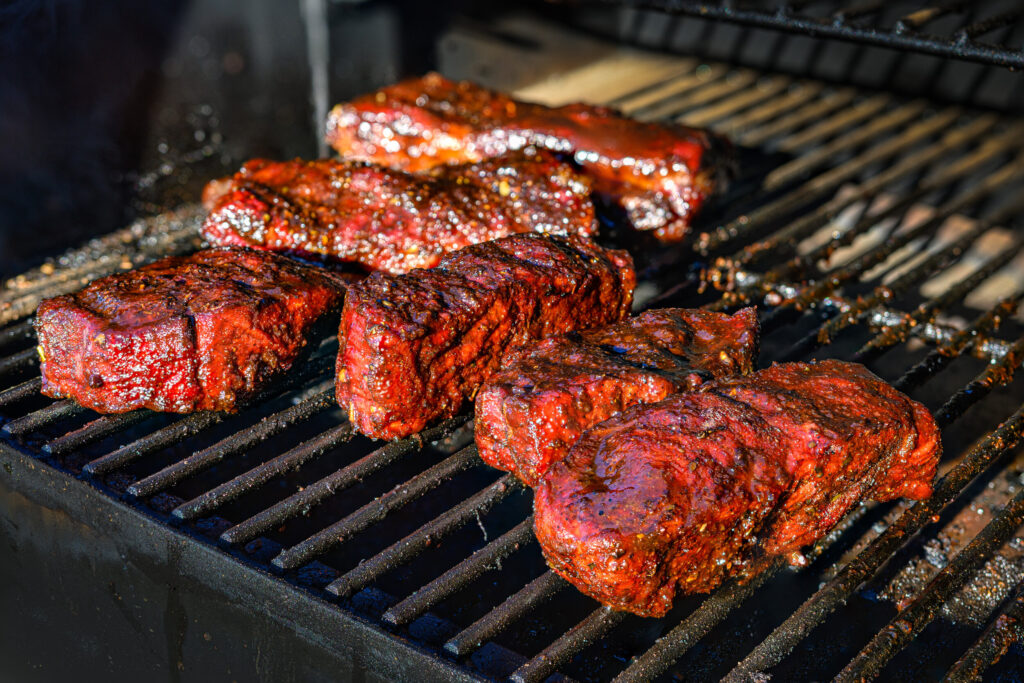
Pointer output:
x,y
390,220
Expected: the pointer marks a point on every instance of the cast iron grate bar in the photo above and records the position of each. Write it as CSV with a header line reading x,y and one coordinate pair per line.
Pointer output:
x,y
941,258
980,28
412,545
742,126
727,268
912,619
815,292
590,629
721,111
515,607
920,17
858,10
805,225
20,392
197,422
677,642
847,25
292,459
944,354
18,332
66,281
174,232
853,117
335,482
711,612
683,70
192,424
34,421
1005,629
927,311
675,95
234,444
73,276
946,177
743,227
373,512
487,558
736,81
95,430
154,234
154,441
823,154
19,361
993,375
816,109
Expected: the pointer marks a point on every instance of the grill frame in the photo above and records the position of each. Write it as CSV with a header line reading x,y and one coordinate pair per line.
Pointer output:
x,y
858,22
736,265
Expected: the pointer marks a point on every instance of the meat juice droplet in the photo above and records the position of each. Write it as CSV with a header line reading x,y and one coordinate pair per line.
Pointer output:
x,y
797,559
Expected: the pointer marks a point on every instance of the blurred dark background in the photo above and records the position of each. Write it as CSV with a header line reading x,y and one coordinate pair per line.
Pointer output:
x,y
115,108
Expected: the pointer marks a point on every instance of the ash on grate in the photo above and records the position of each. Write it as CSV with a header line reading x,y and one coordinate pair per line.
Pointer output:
x,y
991,584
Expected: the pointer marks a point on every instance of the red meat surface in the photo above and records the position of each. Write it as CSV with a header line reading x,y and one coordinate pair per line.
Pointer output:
x,y
199,332
676,496
390,220
660,174
530,413
415,347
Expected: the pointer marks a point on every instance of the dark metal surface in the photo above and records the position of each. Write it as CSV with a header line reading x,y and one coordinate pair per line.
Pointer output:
x,y
1005,629
228,620
845,216
905,26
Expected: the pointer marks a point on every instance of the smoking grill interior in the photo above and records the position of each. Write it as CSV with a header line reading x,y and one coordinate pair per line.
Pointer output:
x,y
875,217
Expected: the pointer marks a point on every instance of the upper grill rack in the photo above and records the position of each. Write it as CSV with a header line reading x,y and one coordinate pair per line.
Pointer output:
x,y
986,33
863,222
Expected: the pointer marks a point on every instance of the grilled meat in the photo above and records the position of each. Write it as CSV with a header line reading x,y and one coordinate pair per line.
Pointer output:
x,y
679,495
200,332
414,347
390,220
530,413
660,174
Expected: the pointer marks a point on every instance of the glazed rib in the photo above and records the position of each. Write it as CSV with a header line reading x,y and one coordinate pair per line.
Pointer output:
x,y
390,220
415,347
676,496
530,413
200,332
659,174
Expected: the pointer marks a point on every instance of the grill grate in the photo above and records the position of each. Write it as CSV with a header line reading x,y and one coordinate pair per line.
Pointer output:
x,y
1002,632
987,33
850,207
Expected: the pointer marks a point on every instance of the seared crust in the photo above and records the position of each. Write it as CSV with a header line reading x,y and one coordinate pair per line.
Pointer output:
x,y
679,495
660,174
199,332
415,347
530,413
390,220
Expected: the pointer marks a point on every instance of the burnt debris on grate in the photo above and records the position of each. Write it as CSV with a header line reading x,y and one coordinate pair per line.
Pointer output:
x,y
888,234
